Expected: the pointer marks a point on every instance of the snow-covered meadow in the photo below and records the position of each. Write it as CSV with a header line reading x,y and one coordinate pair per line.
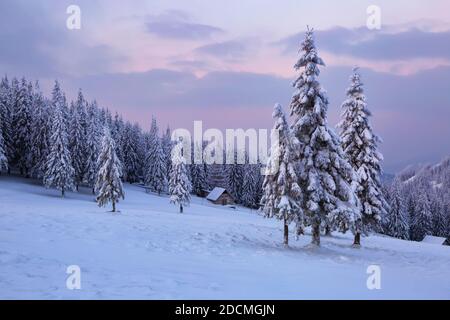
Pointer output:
x,y
150,251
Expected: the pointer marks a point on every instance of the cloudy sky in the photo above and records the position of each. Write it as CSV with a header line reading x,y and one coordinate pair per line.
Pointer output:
x,y
228,62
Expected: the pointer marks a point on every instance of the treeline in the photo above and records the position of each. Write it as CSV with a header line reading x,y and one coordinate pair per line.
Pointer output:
x,y
420,203
29,119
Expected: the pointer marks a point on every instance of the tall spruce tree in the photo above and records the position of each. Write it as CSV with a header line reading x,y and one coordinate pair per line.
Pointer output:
x,y
92,146
77,140
179,185
325,176
6,118
59,171
198,174
117,133
130,154
248,198
397,221
108,185
3,158
22,122
40,133
360,146
282,194
421,224
155,172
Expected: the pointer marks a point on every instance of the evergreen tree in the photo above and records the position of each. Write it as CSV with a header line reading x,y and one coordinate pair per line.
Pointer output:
x,y
360,146
397,222
59,171
248,197
22,121
421,224
40,133
198,174
6,118
439,218
130,154
117,133
167,145
3,158
325,176
281,191
92,146
179,185
155,175
108,185
156,172
77,140
235,174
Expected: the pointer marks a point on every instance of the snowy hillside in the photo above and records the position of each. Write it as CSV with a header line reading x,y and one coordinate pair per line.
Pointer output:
x,y
149,251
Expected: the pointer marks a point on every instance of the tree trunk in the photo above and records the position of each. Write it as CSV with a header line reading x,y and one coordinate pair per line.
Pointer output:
x,y
93,190
316,234
327,230
181,208
63,192
286,233
357,241
114,206
76,187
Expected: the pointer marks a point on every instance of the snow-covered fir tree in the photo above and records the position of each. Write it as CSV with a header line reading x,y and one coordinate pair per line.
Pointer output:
x,y
22,121
179,185
235,178
77,139
92,146
155,170
282,194
130,154
325,176
59,171
6,118
198,174
422,223
439,218
3,158
397,220
155,175
360,146
40,133
108,186
167,145
117,132
248,198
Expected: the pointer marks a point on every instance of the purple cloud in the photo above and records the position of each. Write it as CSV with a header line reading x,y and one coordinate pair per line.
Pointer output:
x,y
229,50
177,25
377,45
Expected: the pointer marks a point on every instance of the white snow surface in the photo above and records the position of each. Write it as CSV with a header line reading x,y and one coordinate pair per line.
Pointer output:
x,y
150,251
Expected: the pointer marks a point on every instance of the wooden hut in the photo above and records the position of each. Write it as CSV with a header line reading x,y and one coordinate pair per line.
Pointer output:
x,y
220,196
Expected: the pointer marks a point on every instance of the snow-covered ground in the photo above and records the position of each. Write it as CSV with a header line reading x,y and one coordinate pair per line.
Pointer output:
x,y
149,251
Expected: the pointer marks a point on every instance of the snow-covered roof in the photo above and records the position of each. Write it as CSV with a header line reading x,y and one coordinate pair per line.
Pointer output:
x,y
434,240
215,194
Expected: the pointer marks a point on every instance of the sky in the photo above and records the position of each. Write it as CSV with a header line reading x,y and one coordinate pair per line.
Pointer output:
x,y
227,63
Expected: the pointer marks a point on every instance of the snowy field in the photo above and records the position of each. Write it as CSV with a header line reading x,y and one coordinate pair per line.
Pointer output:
x,y
149,251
